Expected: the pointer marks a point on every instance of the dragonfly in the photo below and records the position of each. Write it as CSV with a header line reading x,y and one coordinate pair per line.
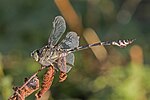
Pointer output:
x,y
60,54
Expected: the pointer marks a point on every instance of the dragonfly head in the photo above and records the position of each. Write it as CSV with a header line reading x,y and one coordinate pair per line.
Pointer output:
x,y
35,55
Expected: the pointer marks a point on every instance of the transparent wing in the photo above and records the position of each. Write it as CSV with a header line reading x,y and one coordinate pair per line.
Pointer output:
x,y
65,63
68,67
62,64
59,27
71,41
70,61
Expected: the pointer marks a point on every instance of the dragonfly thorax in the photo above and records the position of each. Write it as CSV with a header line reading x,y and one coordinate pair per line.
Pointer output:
x,y
46,56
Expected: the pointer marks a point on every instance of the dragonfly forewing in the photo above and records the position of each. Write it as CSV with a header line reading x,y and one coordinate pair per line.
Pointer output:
x,y
59,27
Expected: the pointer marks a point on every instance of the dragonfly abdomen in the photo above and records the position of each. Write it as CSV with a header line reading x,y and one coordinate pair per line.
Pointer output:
x,y
119,43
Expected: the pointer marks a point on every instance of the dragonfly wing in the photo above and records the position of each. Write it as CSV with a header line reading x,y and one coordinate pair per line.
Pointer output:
x,y
59,27
71,41
62,64
70,59
68,68
65,63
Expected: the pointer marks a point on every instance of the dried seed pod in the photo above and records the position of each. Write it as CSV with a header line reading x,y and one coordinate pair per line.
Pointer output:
x,y
47,82
32,86
29,88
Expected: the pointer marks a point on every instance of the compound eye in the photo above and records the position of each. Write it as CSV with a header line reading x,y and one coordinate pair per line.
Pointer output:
x,y
37,52
32,53
35,55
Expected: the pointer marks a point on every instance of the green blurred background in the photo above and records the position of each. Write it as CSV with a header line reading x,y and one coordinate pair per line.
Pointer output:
x,y
25,25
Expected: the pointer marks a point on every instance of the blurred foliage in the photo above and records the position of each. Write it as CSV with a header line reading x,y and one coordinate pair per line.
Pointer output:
x,y
25,26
